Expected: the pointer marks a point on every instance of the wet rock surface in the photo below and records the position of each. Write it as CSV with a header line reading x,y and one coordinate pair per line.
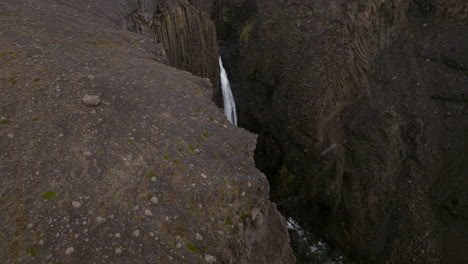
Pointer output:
x,y
139,177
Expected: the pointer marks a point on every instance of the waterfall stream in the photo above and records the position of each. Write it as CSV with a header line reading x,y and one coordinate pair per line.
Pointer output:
x,y
228,98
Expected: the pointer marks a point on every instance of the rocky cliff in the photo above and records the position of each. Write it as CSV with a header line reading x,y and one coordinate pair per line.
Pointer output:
x,y
109,155
356,104
187,33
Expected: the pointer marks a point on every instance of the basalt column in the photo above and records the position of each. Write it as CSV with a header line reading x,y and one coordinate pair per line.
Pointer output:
x,y
188,36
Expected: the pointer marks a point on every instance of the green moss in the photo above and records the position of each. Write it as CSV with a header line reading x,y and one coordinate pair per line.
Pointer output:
x,y
172,173
151,174
36,80
191,247
247,31
175,162
48,195
32,251
245,147
284,180
12,81
228,221
5,122
192,148
211,118
206,134
131,140
166,157
2,54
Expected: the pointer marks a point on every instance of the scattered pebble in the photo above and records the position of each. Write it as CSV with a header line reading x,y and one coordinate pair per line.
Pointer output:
x,y
87,153
30,226
154,200
243,194
118,251
77,205
153,179
41,242
198,236
100,220
91,77
210,259
151,234
69,251
148,212
179,245
117,235
91,100
204,176
136,233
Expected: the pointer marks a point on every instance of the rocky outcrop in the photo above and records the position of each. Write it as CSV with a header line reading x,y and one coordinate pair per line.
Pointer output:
x,y
188,36
349,131
109,155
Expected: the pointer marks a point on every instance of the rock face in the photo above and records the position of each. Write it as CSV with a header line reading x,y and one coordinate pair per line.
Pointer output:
x,y
357,104
133,179
188,36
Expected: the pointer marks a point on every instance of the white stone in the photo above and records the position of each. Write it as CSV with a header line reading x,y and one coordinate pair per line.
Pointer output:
x,y
91,100
148,212
154,200
153,179
100,220
118,251
136,233
76,204
210,259
198,236
117,235
179,245
204,176
69,251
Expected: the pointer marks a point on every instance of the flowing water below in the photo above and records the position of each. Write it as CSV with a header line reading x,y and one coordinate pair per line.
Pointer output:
x,y
308,249
228,98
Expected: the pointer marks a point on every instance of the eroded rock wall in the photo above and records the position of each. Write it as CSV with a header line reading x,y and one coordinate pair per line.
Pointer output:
x,y
187,33
331,143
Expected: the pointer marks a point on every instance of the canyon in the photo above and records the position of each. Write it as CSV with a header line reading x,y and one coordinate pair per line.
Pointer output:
x,y
114,149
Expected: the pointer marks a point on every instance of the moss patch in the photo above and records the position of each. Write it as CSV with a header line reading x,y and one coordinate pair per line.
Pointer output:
x,y
206,134
191,247
48,195
5,122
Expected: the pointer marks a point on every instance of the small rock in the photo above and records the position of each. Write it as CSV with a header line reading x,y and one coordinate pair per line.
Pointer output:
x,y
117,235
91,77
148,212
391,113
210,259
41,242
151,234
100,220
198,236
69,251
154,200
76,204
243,194
257,217
118,251
179,245
91,100
136,233
87,153
153,179
204,176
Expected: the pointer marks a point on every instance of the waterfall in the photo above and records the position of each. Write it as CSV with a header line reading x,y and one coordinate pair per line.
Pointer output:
x,y
228,98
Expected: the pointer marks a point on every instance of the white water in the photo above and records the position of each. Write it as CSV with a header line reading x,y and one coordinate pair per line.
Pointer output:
x,y
228,98
314,251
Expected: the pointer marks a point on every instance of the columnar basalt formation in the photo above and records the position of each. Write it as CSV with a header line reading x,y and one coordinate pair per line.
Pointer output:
x,y
350,136
187,33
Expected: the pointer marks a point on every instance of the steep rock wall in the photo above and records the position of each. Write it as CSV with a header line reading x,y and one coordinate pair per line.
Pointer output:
x,y
187,33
